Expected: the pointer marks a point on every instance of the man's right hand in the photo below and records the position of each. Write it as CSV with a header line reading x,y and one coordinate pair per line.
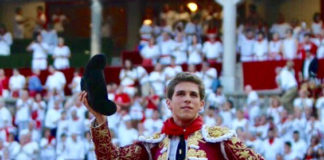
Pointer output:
x,y
100,118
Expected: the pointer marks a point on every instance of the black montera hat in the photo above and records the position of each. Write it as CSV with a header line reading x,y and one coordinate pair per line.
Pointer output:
x,y
93,81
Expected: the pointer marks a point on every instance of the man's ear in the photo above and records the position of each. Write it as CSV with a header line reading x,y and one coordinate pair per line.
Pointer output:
x,y
168,102
202,104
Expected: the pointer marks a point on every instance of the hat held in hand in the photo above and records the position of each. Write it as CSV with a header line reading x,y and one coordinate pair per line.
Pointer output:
x,y
93,82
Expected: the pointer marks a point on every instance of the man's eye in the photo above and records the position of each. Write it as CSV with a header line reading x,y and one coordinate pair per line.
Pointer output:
x,y
194,95
180,93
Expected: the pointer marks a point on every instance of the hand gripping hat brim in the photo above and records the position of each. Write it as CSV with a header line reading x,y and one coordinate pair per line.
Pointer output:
x,y
93,82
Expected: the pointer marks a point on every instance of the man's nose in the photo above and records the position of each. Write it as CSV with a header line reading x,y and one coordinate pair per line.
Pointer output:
x,y
187,98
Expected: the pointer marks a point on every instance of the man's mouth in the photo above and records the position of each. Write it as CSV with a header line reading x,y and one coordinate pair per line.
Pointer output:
x,y
187,107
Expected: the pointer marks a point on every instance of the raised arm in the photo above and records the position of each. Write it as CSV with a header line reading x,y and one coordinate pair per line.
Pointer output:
x,y
101,137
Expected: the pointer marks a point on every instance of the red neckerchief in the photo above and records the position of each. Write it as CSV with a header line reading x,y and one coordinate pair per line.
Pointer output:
x,y
271,140
170,128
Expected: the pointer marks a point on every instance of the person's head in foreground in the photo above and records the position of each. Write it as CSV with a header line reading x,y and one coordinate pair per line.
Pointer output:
x,y
185,98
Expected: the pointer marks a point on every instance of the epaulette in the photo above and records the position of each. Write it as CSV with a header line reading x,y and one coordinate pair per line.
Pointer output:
x,y
155,138
214,134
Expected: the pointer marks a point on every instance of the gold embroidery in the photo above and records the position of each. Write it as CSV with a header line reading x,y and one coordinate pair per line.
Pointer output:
x,y
216,131
103,133
164,144
163,156
191,153
241,151
234,140
196,154
244,154
194,139
201,154
156,136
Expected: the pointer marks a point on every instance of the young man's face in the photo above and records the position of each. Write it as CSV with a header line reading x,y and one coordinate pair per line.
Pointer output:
x,y
185,103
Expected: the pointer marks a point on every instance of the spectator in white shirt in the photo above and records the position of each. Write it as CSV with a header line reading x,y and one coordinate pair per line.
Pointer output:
x,y
75,83
289,154
280,26
299,146
62,126
19,24
239,121
61,55
182,14
246,45
195,51
179,50
275,109
272,145
34,132
150,53
146,32
216,99
143,78
260,48
227,114
13,146
47,146
40,50
17,83
299,123
320,106
24,105
302,102
289,46
52,117
210,117
50,38
126,133
288,83
168,15
61,147
313,127
212,49
58,20
166,47
78,107
127,77
320,49
154,124
76,125
6,117
38,109
208,75
28,148
275,46
89,147
172,70
5,41
55,81
317,24
75,148
157,79
252,96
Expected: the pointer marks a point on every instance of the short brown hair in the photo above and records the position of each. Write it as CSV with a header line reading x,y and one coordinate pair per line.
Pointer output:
x,y
185,77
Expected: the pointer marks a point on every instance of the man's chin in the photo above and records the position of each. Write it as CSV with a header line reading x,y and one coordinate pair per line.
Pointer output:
x,y
187,118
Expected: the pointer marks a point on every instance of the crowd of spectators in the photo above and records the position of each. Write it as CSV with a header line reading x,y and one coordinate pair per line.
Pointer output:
x,y
44,123
47,39
194,37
